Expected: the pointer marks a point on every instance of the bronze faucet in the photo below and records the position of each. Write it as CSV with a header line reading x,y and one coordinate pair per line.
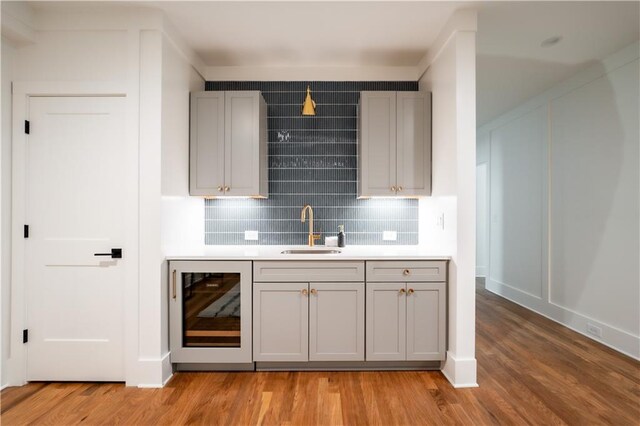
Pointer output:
x,y
312,237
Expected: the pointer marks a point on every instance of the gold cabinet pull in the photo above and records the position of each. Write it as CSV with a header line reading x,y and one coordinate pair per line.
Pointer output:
x,y
220,189
227,189
399,188
313,291
304,292
173,285
402,291
393,188
406,272
410,291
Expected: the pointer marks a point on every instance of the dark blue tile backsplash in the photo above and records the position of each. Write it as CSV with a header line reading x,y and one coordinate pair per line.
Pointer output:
x,y
312,160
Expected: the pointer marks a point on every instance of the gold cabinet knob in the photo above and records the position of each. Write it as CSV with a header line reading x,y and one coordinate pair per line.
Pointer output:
x,y
402,291
220,189
226,189
406,272
313,291
393,188
410,291
304,291
399,188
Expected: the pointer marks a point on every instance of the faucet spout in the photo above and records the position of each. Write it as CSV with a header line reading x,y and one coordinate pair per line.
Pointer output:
x,y
312,236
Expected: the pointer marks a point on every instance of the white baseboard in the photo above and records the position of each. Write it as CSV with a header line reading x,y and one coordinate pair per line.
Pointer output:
x,y
167,369
6,385
481,271
152,373
612,337
461,372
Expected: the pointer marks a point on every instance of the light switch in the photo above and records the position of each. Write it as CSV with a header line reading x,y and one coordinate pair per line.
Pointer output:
x,y
251,235
389,236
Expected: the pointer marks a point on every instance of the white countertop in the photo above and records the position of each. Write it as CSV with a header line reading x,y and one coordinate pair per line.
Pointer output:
x,y
275,253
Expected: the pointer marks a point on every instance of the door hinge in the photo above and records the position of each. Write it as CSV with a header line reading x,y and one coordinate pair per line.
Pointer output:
x,y
25,335
27,126
26,231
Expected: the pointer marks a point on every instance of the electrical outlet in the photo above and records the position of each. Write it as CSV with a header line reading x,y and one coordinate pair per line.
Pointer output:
x,y
251,235
594,330
440,221
389,236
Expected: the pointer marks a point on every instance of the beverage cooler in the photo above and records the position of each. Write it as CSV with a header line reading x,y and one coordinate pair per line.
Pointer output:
x,y
210,311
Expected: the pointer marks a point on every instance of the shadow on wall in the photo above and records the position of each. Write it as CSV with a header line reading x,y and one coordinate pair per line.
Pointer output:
x,y
494,85
594,219
570,167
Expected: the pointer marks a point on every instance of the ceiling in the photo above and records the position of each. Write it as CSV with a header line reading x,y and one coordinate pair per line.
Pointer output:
x,y
303,34
511,64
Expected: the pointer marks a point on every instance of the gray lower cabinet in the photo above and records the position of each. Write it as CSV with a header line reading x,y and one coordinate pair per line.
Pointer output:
x,y
406,321
386,321
426,321
406,310
280,323
308,322
336,322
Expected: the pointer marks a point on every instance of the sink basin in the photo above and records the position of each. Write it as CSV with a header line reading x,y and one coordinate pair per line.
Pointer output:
x,y
311,251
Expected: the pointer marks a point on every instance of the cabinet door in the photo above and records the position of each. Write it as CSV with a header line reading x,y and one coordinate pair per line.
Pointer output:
x,y
281,322
210,311
206,171
426,321
414,143
386,321
242,143
377,144
336,322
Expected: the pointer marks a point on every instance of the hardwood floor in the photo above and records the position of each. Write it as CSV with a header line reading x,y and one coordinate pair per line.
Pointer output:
x,y
530,371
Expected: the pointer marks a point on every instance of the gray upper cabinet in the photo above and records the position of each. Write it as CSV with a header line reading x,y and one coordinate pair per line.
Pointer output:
x,y
377,144
228,155
207,144
394,146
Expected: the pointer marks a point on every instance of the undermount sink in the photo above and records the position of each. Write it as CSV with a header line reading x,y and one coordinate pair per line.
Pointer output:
x,y
311,251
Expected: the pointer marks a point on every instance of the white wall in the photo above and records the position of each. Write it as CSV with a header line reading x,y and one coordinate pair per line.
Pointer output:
x,y
482,204
564,202
126,49
182,215
450,76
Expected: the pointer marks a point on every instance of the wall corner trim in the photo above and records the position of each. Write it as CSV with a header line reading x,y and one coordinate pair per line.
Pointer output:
x,y
460,372
462,20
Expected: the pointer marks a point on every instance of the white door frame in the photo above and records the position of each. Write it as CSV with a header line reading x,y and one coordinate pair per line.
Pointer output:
x,y
21,92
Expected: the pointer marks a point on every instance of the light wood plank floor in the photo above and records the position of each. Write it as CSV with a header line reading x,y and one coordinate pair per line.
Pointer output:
x,y
530,370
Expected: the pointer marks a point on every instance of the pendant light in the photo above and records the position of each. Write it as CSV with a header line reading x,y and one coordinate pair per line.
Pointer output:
x,y
309,106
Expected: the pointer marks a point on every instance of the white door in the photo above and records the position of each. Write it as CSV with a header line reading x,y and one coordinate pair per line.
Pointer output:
x,y
280,322
75,208
426,321
336,322
386,321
